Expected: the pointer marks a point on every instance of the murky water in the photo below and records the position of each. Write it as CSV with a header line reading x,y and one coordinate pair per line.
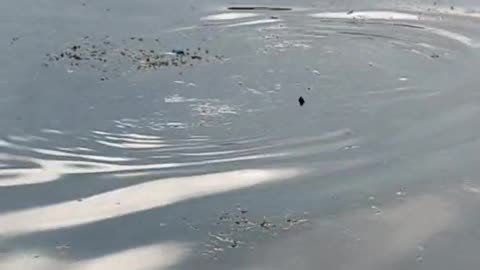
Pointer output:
x,y
170,135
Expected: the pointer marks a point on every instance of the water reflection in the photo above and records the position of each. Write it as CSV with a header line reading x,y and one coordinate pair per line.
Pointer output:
x,y
161,256
367,15
134,199
180,143
363,240
96,154
229,16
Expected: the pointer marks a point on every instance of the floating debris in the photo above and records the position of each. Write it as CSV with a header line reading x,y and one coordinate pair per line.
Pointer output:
x,y
376,210
266,225
350,12
62,247
14,39
419,256
435,55
179,52
112,59
402,192
301,101
238,229
351,147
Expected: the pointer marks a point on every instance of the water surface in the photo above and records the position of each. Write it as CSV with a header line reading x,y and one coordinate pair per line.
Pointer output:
x,y
169,135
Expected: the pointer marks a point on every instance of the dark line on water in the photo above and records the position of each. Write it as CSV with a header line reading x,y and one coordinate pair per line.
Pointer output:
x,y
364,34
397,24
260,8
409,25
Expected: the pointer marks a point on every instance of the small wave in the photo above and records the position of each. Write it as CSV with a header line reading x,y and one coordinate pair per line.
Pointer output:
x,y
368,15
256,22
229,16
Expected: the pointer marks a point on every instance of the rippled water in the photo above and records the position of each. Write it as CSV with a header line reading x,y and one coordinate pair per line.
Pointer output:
x,y
207,161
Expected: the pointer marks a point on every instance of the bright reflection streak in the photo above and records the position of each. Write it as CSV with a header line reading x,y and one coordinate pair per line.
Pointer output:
x,y
389,15
91,157
133,199
154,257
256,22
52,170
229,16
367,15
454,36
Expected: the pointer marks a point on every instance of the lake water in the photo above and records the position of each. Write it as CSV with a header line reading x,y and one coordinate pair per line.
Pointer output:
x,y
169,135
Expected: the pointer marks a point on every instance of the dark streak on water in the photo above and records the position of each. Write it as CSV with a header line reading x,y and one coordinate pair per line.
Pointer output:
x,y
243,8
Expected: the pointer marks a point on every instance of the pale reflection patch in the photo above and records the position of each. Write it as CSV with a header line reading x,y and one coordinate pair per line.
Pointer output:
x,y
46,170
367,15
256,22
373,238
135,198
229,16
154,257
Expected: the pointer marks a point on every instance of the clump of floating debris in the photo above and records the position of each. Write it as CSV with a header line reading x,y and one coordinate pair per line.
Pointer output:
x,y
240,229
134,53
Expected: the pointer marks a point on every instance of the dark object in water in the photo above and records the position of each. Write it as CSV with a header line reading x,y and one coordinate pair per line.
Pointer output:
x,y
435,55
15,39
350,12
97,55
178,52
260,8
301,101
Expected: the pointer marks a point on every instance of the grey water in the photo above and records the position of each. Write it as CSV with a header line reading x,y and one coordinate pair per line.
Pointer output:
x,y
155,135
